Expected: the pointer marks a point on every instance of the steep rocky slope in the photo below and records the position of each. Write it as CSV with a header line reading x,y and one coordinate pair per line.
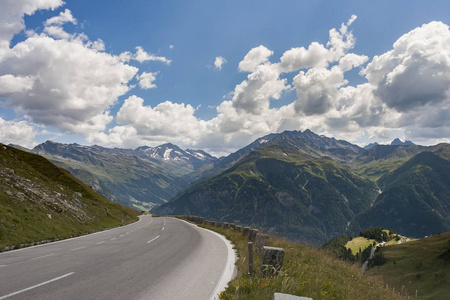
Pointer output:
x,y
41,202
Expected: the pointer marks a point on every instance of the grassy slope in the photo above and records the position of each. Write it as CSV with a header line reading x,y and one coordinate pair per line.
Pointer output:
x,y
26,219
358,243
415,266
306,272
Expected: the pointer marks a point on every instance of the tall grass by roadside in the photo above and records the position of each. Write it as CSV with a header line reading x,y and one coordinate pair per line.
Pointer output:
x,y
306,272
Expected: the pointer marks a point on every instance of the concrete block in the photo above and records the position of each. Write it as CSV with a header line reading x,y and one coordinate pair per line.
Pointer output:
x,y
260,241
280,296
271,261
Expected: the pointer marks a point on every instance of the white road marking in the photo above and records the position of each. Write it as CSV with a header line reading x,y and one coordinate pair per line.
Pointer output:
x,y
39,257
153,239
2,266
163,228
121,235
113,239
78,248
99,243
36,286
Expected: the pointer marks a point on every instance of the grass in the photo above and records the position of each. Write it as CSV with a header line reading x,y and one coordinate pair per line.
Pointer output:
x,y
358,242
306,272
416,266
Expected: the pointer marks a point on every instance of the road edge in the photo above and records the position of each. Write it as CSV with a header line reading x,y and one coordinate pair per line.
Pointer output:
x,y
229,271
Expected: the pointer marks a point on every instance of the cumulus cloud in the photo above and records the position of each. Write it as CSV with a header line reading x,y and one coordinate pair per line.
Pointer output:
x,y
10,84
59,79
317,89
218,62
19,133
254,58
63,18
142,124
59,97
11,16
416,71
142,56
146,80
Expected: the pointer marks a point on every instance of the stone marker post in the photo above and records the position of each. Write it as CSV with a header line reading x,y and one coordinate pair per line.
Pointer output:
x,y
260,241
245,231
252,235
251,270
272,261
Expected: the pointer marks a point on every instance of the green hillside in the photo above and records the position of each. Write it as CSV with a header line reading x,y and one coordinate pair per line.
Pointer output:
x,y
40,201
284,190
415,200
419,268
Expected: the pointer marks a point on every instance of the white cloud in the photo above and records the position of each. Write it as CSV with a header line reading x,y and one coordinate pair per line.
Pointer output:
x,y
63,18
253,95
317,89
146,80
19,133
300,58
10,84
11,16
254,58
97,45
351,60
140,124
219,61
64,83
142,56
416,71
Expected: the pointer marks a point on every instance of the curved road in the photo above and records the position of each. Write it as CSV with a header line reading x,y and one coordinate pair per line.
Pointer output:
x,y
154,258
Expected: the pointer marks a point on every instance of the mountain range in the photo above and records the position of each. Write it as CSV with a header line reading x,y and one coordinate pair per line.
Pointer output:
x,y
139,178
305,186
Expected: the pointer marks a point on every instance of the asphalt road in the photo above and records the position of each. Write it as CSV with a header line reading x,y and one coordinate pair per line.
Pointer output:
x,y
154,258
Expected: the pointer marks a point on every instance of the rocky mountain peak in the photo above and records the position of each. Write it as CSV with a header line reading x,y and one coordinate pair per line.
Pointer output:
x,y
398,142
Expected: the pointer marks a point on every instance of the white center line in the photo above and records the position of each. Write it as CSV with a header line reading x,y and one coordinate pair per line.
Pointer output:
x,y
163,228
113,239
153,239
99,243
43,256
35,286
121,235
78,248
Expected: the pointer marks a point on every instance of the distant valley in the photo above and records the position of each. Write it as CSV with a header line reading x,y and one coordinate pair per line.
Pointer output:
x,y
302,185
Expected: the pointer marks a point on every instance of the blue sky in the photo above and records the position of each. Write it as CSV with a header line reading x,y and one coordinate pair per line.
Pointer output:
x,y
63,79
